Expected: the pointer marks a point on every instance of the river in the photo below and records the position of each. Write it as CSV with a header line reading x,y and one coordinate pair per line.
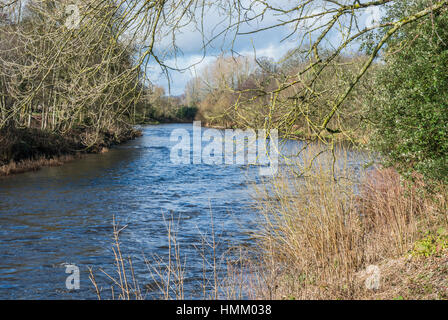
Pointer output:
x,y
59,216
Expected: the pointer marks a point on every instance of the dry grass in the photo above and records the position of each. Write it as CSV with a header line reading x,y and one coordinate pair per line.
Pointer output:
x,y
318,234
34,164
124,284
410,278
394,212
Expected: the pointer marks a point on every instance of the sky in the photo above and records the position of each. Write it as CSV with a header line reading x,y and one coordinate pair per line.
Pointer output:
x,y
269,43
190,43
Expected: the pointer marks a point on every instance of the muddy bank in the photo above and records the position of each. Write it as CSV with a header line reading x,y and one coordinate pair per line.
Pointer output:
x,y
28,149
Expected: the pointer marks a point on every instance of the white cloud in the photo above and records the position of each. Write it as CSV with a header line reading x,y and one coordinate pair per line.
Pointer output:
x,y
266,43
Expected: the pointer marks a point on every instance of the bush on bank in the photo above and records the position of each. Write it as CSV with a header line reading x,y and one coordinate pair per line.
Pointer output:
x,y
409,107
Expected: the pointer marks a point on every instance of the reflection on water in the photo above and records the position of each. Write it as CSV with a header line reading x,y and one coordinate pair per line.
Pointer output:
x,y
64,214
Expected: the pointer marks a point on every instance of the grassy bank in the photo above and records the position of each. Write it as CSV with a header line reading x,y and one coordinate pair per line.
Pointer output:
x,y
321,238
28,149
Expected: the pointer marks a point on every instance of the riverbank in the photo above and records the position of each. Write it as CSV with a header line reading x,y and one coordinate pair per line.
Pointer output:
x,y
321,239
29,149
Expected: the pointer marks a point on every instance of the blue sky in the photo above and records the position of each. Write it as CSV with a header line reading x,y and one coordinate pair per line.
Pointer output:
x,y
190,42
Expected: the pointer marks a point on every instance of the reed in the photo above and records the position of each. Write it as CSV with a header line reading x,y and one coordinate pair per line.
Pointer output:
x,y
320,229
223,276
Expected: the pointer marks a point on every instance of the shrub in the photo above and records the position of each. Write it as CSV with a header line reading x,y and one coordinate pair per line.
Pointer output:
x,y
186,113
411,101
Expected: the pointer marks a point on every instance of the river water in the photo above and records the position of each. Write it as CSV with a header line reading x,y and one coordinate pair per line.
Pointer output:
x,y
61,216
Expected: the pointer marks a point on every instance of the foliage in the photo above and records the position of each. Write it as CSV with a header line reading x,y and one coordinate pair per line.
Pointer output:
x,y
187,113
410,104
431,244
